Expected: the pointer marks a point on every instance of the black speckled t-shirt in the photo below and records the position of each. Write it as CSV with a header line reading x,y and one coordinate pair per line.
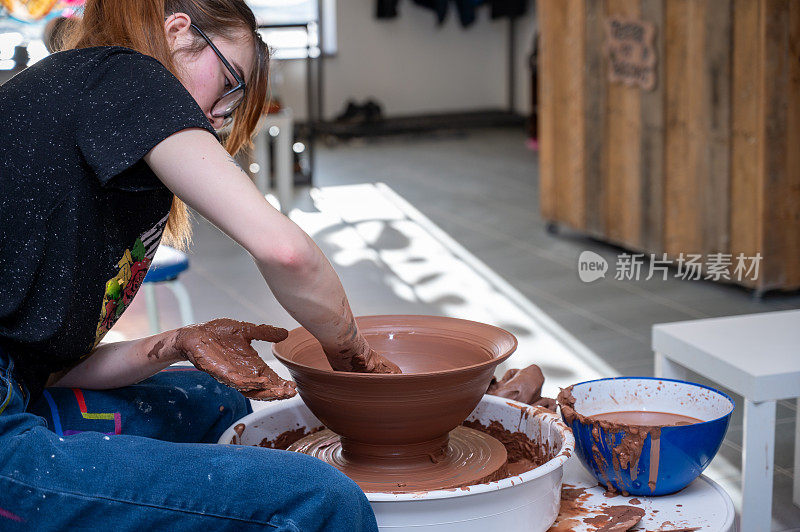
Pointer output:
x,y
81,213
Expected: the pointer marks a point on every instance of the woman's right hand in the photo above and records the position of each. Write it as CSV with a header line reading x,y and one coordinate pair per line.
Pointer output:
x,y
359,357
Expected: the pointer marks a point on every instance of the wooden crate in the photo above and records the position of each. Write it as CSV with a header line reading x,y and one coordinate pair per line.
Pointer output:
x,y
706,162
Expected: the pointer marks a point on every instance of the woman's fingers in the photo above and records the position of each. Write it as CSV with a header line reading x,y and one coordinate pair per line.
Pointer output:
x,y
273,393
266,333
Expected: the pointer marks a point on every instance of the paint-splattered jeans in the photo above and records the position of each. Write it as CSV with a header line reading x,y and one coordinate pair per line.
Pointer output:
x,y
127,459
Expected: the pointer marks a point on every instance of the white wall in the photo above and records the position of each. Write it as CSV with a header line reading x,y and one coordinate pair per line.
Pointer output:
x,y
413,66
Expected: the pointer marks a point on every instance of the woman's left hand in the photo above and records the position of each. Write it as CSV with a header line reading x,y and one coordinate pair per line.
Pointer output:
x,y
222,349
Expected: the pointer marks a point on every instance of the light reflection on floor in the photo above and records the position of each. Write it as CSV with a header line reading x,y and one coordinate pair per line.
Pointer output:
x,y
421,265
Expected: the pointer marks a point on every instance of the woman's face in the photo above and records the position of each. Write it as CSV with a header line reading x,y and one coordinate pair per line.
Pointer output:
x,y
203,74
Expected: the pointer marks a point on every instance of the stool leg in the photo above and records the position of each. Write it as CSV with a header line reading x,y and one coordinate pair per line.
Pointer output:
x,y
796,496
152,308
184,301
758,457
668,369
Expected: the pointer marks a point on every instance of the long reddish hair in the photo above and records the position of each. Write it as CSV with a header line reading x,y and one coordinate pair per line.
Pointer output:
x,y
139,25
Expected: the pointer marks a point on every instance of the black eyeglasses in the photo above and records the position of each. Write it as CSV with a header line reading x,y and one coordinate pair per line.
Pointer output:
x,y
228,102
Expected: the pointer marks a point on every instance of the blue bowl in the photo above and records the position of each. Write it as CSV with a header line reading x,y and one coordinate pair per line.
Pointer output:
x,y
680,454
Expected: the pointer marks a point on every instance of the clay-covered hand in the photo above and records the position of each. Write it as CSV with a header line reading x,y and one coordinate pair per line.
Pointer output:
x,y
361,358
222,349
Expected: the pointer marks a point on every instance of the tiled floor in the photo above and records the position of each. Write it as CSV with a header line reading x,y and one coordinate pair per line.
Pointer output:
x,y
481,188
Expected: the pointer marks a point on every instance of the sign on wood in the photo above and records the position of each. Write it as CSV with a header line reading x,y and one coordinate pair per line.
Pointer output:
x,y
630,52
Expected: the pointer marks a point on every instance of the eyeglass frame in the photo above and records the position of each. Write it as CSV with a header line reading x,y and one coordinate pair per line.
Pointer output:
x,y
240,84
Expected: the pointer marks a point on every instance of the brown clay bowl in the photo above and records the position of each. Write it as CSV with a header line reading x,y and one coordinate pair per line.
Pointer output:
x,y
447,364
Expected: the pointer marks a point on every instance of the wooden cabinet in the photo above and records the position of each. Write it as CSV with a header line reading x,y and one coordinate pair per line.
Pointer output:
x,y
707,160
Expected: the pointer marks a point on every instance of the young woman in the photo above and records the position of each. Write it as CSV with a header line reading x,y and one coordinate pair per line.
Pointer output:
x,y
102,145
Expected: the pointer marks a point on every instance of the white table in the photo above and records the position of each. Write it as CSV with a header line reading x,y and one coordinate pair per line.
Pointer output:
x,y
280,127
703,503
758,357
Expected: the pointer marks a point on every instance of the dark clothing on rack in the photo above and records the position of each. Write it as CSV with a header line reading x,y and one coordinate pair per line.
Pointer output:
x,y
466,9
386,8
508,8
438,6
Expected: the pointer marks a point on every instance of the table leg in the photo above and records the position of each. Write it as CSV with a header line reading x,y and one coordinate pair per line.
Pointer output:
x,y
796,497
284,164
668,369
758,457
261,155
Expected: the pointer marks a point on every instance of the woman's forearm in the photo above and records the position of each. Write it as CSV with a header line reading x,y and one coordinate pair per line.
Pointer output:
x,y
118,364
199,171
307,286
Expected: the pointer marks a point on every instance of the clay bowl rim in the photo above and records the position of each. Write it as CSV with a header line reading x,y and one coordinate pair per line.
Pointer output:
x,y
350,374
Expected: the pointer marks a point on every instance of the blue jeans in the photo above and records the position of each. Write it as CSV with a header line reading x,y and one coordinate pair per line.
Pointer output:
x,y
128,459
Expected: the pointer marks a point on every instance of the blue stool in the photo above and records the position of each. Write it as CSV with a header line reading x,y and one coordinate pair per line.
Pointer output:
x,y
168,263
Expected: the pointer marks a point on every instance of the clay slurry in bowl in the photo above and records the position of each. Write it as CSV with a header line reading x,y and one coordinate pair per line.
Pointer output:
x,y
641,418
400,432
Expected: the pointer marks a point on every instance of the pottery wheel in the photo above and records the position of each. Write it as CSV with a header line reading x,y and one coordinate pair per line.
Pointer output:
x,y
471,457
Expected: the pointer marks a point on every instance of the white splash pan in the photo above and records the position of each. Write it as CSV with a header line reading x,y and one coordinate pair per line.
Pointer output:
x,y
524,502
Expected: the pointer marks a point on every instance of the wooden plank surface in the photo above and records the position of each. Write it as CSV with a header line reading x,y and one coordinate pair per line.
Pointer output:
x,y
746,225
623,137
781,183
679,189
791,255
572,204
698,126
595,115
707,162
562,124
713,133
652,158
549,53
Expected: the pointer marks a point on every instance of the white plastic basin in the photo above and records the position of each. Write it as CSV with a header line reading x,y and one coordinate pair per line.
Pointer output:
x,y
527,502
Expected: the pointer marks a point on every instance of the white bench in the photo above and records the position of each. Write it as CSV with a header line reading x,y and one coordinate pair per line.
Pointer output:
x,y
758,357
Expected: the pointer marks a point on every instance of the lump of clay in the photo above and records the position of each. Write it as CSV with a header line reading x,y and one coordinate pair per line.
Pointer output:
x,y
523,385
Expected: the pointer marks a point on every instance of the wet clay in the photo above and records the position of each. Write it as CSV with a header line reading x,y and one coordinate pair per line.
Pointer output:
x,y
574,515
641,418
239,430
635,428
283,440
470,457
390,420
571,510
222,349
616,518
447,364
524,385
523,453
